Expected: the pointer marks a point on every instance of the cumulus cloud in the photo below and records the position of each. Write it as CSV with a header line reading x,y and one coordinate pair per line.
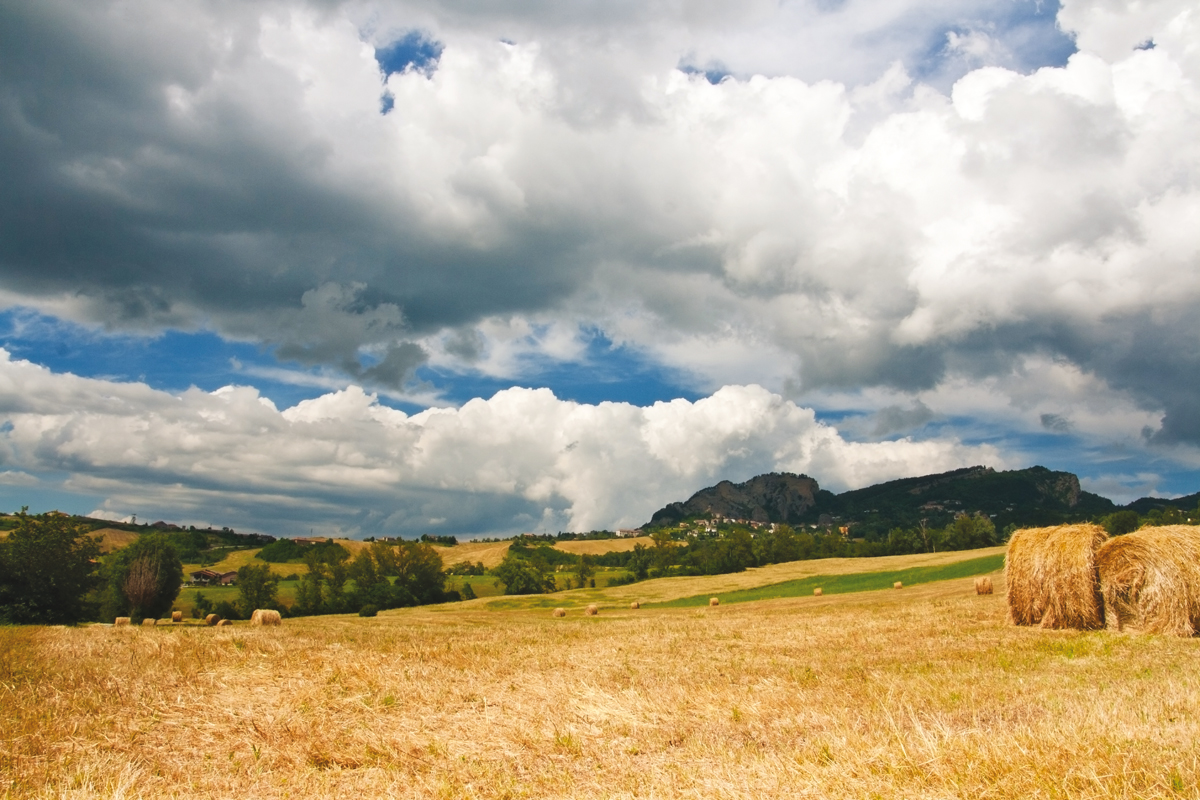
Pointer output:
x,y
520,460
836,218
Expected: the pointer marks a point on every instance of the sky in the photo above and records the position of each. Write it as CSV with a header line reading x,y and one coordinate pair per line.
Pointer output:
x,y
392,268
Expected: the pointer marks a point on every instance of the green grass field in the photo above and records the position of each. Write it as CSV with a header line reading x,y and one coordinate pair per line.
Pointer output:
x,y
845,584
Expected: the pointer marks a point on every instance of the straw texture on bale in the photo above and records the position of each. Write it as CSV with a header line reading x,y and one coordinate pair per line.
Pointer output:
x,y
635,605
817,592
212,619
149,621
560,612
1052,578
898,585
265,616
983,585
119,621
592,610
176,616
1150,580
223,623
714,601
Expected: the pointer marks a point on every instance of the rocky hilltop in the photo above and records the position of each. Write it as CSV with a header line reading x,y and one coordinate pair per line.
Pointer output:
x,y
1034,496
774,497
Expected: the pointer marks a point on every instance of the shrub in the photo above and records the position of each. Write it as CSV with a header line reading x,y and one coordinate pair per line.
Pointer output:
x,y
368,611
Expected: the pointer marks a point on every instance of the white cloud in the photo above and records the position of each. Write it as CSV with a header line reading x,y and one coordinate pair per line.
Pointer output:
x,y
521,458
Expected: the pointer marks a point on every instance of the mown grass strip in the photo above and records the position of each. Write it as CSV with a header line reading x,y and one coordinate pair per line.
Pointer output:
x,y
845,584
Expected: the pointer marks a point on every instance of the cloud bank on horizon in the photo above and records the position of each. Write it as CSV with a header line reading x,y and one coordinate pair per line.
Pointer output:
x,y
961,231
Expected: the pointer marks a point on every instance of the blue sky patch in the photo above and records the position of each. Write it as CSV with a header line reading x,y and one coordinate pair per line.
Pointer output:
x,y
414,50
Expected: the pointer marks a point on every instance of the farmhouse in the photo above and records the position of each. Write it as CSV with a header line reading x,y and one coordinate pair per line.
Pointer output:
x,y
209,577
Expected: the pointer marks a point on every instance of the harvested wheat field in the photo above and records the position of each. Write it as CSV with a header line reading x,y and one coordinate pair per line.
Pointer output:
x,y
924,693
1150,580
1052,577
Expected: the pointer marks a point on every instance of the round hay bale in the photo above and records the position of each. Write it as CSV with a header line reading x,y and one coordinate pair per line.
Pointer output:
x,y
714,601
120,622
898,585
149,621
212,619
983,585
1052,578
635,605
176,616
592,610
265,616
223,623
1150,580
560,612
817,592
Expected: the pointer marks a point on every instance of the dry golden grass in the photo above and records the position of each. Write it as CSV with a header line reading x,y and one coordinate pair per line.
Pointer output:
x,y
593,547
924,693
1052,578
1150,580
240,558
490,553
113,539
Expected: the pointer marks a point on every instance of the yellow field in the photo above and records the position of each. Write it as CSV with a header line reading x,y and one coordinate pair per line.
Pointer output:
x,y
596,546
490,553
921,693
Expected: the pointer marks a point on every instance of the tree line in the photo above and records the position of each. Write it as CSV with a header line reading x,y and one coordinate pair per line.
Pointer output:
x,y
53,572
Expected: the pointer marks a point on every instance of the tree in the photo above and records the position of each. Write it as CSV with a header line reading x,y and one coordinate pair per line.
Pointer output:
x,y
258,587
584,569
143,579
519,576
1121,522
47,568
419,572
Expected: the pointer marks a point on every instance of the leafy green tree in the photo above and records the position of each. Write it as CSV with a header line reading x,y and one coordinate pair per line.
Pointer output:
x,y
468,591
1121,522
143,579
584,569
258,587
968,532
521,576
419,572
201,606
47,568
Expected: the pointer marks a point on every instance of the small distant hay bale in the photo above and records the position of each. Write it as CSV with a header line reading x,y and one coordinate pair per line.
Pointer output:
x,y
898,585
223,623
176,616
560,612
635,605
1052,577
120,622
265,616
714,601
983,585
1150,580
212,619
817,592
592,610
149,621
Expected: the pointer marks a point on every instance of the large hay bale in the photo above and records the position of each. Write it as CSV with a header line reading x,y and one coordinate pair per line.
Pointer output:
x,y
149,621
176,616
212,619
560,612
714,601
983,585
592,610
120,622
1150,580
1052,578
265,616
635,605
817,592
223,623
898,585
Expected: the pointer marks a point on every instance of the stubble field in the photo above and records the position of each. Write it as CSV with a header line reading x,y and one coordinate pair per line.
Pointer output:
x,y
923,692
